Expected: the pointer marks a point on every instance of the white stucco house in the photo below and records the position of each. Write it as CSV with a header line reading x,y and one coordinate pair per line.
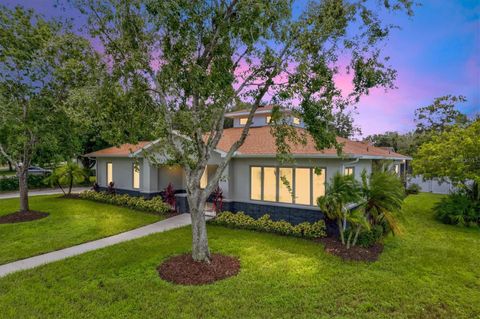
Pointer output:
x,y
251,182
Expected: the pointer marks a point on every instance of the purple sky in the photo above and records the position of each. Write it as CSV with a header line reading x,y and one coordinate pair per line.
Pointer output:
x,y
437,52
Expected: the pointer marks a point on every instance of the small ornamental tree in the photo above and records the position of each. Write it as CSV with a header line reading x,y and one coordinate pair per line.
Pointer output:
x,y
40,62
188,62
452,155
67,175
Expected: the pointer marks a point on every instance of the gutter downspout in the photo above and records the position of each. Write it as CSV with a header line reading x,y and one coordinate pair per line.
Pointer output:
x,y
343,170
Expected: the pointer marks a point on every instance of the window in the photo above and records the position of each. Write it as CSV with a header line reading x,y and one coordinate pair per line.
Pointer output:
x,y
285,186
349,171
136,177
397,168
204,179
243,120
268,119
109,173
296,120
270,184
318,182
302,186
256,183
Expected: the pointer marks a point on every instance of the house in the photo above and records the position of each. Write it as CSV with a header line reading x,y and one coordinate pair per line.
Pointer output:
x,y
251,182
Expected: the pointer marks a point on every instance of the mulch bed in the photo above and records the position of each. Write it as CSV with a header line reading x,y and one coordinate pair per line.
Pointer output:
x,y
20,217
184,270
356,253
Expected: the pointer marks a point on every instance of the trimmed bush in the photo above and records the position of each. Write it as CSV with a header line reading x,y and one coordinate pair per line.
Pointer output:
x,y
413,189
370,237
11,183
458,209
154,205
265,224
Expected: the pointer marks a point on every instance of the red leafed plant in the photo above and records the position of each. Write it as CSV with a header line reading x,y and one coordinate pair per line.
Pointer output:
x,y
217,199
170,196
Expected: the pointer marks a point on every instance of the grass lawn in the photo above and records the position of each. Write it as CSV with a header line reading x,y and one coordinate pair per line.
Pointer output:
x,y
431,271
71,222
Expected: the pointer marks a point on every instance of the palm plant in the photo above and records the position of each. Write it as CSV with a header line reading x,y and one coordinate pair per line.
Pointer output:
x,y
383,195
341,191
68,174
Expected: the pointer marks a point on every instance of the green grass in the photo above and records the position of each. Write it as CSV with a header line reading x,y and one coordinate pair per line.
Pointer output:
x,y
431,271
71,222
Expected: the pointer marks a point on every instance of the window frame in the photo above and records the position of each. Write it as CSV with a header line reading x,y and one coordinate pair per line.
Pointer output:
x,y
106,173
241,119
349,167
278,181
268,118
133,177
296,120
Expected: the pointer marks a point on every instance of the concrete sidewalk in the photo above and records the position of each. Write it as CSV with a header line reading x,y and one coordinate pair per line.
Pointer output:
x,y
42,192
32,262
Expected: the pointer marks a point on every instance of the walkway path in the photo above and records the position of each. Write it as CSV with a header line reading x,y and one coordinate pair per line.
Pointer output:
x,y
49,191
32,262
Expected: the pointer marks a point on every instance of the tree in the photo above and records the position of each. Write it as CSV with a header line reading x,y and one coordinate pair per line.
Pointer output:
x,y
67,174
191,61
452,155
40,61
440,114
340,191
406,144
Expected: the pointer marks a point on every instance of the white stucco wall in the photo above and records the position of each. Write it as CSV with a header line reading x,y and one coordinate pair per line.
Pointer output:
x,y
122,172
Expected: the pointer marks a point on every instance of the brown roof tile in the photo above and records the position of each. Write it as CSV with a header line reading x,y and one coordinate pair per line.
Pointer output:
x,y
123,150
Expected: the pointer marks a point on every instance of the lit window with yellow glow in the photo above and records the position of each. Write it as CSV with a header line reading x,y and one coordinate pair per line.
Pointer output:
x,y
318,184
136,177
302,186
397,169
243,120
109,173
256,183
270,184
296,120
204,179
285,185
268,119
348,171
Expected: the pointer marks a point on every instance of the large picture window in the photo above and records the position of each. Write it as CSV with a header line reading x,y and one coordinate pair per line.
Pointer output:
x,y
318,181
136,177
287,185
204,179
302,186
109,173
243,120
270,184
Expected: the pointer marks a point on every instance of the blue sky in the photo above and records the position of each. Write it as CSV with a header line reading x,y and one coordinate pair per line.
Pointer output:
x,y
436,52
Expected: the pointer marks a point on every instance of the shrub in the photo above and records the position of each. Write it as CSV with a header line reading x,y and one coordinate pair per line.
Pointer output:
x,y
265,224
458,209
11,183
154,205
368,238
413,189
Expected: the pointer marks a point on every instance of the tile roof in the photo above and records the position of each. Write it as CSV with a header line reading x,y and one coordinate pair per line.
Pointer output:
x,y
123,150
260,110
260,142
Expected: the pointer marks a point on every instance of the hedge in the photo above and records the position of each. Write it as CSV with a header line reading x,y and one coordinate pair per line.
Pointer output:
x,y
11,183
265,224
154,205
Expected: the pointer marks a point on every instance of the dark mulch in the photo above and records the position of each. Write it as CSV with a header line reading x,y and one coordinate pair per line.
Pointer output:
x,y
72,196
20,217
184,270
356,253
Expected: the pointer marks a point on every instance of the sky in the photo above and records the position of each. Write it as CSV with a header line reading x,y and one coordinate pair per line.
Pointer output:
x,y
436,52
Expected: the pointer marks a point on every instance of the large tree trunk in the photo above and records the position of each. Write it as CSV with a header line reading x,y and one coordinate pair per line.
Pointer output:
x,y
22,173
10,166
200,251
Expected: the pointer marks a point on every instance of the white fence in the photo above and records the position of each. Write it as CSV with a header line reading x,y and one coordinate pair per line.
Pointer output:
x,y
431,185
